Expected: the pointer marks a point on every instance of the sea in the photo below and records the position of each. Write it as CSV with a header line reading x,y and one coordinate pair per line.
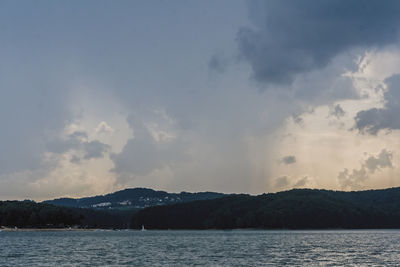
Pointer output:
x,y
200,248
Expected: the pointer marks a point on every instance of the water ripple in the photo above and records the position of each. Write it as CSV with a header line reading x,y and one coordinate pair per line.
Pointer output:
x,y
201,248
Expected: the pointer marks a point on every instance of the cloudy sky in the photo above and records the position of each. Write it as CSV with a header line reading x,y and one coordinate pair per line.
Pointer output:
x,y
228,96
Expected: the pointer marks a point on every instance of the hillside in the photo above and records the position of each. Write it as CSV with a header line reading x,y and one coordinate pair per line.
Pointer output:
x,y
294,209
24,214
133,198
28,214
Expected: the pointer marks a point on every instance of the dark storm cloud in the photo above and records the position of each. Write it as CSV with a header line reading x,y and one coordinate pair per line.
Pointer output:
x,y
153,55
288,160
337,111
293,37
373,120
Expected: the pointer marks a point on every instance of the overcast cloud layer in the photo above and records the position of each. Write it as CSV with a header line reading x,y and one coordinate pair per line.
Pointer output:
x,y
227,96
293,37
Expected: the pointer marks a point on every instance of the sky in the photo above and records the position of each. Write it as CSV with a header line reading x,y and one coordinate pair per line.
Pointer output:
x,y
228,96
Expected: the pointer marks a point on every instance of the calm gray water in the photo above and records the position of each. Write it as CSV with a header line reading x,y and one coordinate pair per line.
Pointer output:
x,y
208,248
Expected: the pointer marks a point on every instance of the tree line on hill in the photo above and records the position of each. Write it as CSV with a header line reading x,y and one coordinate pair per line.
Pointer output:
x,y
132,198
110,211
294,209
23,214
28,214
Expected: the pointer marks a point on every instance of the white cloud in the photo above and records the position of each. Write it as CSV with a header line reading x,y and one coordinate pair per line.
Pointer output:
x,y
357,177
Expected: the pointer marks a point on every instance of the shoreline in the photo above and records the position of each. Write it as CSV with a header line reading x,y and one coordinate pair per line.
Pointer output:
x,y
6,229
48,229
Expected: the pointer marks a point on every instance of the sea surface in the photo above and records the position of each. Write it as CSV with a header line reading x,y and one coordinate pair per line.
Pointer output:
x,y
200,248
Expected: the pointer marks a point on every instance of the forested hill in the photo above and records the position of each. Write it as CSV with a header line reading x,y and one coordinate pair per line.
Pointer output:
x,y
28,214
294,209
133,198
24,214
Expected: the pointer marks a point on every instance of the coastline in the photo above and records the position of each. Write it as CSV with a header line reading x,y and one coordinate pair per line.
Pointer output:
x,y
6,229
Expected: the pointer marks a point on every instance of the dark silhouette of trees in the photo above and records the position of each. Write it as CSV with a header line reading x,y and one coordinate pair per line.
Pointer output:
x,y
28,214
24,214
294,209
